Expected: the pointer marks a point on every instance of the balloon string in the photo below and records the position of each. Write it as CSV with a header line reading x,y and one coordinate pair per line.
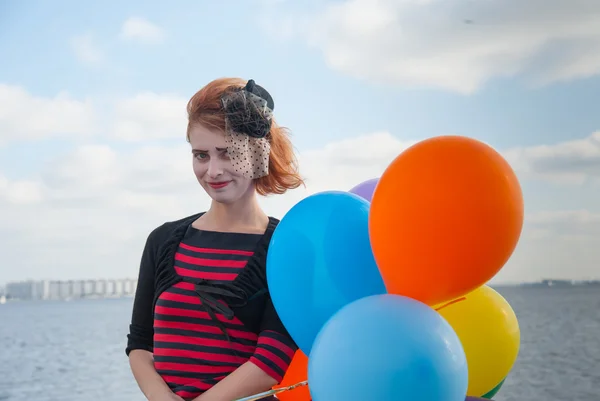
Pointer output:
x,y
266,394
451,303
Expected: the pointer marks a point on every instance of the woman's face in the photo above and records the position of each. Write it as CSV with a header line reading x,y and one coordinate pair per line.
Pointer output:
x,y
214,169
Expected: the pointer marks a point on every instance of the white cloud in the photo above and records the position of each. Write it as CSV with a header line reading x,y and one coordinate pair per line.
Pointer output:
x,y
574,162
20,192
141,30
556,245
150,116
458,45
141,117
566,224
98,202
86,50
26,117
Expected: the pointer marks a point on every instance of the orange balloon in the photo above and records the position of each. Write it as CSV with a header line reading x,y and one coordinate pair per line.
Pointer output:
x,y
445,217
296,373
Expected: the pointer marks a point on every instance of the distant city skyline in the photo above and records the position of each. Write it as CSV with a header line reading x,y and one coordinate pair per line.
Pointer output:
x,y
134,280
49,290
93,153
68,289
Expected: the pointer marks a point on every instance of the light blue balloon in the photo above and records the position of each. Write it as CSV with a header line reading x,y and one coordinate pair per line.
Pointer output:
x,y
387,348
319,260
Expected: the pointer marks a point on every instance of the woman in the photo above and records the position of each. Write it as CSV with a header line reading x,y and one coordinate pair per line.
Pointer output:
x,y
203,325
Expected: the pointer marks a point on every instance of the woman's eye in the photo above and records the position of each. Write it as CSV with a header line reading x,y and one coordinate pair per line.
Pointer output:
x,y
201,156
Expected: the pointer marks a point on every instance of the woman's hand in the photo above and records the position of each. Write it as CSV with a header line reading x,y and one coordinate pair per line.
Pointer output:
x,y
246,380
166,396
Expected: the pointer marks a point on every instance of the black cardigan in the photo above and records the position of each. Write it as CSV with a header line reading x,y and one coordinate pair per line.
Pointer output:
x,y
247,296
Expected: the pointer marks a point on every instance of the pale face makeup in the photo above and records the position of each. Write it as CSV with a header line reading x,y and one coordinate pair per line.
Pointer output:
x,y
213,167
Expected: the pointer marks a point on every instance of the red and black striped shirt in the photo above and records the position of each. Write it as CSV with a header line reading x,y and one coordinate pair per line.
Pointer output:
x,y
194,350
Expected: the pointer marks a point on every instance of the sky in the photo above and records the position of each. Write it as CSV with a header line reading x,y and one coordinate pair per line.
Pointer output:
x,y
92,113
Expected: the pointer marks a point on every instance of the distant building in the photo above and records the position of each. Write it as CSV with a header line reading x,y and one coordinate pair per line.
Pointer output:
x,y
25,290
69,289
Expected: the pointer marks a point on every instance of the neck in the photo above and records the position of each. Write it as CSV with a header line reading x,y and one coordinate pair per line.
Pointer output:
x,y
246,214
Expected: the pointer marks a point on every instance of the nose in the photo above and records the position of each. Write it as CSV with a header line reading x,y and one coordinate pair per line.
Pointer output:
x,y
215,168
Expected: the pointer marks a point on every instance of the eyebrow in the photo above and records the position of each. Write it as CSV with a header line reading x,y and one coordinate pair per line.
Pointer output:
x,y
206,151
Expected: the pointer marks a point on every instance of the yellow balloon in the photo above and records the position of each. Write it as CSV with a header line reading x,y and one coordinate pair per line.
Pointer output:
x,y
489,332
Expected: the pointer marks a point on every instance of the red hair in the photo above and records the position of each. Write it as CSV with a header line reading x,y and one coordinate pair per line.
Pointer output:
x,y
205,108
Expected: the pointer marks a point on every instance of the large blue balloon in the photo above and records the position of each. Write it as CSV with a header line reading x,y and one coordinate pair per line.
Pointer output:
x,y
387,348
320,260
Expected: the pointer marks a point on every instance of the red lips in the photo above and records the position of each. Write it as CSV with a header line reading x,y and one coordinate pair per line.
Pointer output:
x,y
218,185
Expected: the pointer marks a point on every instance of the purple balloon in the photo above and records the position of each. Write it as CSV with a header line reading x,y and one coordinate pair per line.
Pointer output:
x,y
365,189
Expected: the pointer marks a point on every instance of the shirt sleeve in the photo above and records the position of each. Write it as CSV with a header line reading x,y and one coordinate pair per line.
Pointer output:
x,y
141,329
275,347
